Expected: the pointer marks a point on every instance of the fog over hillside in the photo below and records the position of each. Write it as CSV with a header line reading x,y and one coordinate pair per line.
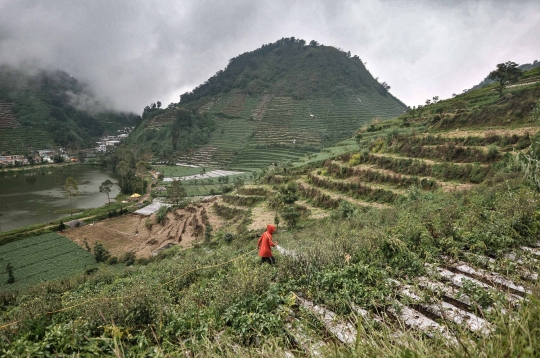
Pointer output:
x,y
136,52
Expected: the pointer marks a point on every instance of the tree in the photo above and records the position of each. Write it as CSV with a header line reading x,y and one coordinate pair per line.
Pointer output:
x,y
386,86
105,187
176,192
71,189
505,73
9,271
141,171
123,169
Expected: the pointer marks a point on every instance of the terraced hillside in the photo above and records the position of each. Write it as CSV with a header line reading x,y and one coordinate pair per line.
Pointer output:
x,y
420,239
296,99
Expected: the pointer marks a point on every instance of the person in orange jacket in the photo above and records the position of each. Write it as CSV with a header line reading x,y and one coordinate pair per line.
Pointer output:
x,y
265,243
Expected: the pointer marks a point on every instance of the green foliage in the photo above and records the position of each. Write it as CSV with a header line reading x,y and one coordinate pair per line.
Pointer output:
x,y
43,257
162,214
100,253
9,271
128,258
105,187
505,73
290,215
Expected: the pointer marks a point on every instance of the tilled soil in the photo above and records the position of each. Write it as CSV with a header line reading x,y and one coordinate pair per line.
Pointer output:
x,y
142,235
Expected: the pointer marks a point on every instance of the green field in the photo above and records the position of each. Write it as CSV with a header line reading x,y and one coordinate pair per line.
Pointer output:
x,y
42,258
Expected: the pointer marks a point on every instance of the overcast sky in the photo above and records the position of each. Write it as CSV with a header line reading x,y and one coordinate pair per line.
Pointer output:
x,y
137,52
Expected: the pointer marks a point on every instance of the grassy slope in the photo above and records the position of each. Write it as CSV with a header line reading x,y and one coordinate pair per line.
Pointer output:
x,y
241,308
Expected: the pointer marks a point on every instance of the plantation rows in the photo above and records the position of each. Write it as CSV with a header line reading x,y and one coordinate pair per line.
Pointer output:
x,y
515,141
374,176
355,189
228,212
42,258
465,173
7,117
19,140
449,152
458,294
243,200
298,126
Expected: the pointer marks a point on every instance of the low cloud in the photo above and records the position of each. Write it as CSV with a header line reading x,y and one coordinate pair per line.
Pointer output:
x,y
132,53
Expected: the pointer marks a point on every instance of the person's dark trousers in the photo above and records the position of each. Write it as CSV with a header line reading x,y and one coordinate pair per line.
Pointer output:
x,y
270,260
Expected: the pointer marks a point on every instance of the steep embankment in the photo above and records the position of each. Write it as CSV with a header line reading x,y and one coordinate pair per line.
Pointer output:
x,y
273,104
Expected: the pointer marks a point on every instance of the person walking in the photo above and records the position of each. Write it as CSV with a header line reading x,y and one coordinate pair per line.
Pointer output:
x,y
265,243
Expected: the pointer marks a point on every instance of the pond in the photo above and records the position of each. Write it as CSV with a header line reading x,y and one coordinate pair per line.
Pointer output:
x,y
36,196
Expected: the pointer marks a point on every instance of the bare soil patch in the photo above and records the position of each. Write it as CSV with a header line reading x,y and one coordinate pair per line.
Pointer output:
x,y
142,235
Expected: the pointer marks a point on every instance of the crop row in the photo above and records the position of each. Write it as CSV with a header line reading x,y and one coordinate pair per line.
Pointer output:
x,y
373,176
517,141
242,200
317,197
467,173
228,212
449,152
355,189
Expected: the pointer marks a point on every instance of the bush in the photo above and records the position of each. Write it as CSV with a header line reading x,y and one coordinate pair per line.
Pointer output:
x,y
228,237
291,216
128,258
148,223
100,253
161,214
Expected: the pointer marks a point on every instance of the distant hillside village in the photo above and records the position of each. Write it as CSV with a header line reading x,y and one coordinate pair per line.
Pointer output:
x,y
60,155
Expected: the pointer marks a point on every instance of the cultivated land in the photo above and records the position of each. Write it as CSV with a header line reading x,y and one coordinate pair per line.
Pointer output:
x,y
142,236
405,241
43,258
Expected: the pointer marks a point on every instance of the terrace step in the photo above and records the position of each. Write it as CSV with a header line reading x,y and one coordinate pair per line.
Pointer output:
x,y
446,311
416,320
458,280
491,278
343,331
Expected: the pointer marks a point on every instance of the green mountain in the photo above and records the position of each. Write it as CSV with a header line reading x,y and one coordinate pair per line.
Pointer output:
x,y
40,109
273,104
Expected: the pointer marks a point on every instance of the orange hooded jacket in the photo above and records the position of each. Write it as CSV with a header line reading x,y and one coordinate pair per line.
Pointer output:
x,y
265,242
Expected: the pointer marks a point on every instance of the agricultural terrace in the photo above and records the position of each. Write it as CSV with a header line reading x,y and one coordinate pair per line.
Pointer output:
x,y
42,258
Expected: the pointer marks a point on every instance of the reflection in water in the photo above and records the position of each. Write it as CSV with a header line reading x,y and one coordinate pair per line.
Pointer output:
x,y
31,197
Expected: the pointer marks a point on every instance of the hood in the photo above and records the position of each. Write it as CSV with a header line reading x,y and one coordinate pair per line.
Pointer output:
x,y
270,228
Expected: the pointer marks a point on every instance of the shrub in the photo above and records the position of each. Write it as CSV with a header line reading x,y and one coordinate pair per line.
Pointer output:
x,y
161,214
128,258
228,237
100,253
291,216
148,223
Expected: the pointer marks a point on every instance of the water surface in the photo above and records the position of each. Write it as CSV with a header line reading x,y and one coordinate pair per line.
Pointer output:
x,y
32,197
